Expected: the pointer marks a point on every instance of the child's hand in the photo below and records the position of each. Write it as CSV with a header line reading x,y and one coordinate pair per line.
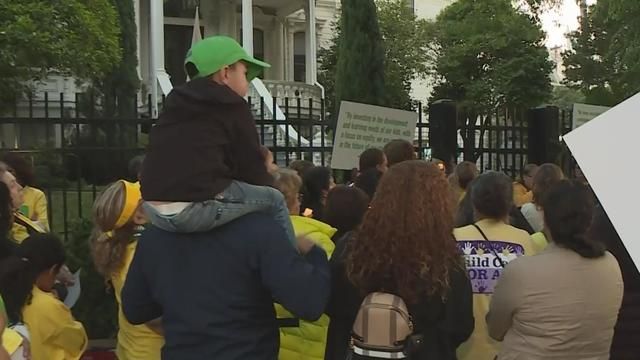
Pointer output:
x,y
65,276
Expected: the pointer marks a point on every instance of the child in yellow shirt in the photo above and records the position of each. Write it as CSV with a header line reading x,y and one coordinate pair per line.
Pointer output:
x,y
117,216
27,285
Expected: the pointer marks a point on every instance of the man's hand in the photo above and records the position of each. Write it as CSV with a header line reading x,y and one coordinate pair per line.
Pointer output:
x,y
304,244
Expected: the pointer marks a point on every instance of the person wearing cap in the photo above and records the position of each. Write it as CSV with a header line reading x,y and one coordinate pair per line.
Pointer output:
x,y
204,166
214,288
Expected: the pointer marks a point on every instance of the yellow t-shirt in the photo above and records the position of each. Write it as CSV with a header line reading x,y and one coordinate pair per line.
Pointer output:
x,y
19,231
484,271
35,206
55,335
135,342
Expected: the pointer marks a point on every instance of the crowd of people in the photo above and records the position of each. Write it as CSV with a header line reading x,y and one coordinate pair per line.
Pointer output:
x,y
228,256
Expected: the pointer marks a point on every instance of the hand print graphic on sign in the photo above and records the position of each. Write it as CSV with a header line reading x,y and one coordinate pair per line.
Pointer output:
x,y
482,264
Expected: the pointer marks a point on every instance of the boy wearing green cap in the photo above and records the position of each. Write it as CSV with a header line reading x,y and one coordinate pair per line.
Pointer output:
x,y
204,166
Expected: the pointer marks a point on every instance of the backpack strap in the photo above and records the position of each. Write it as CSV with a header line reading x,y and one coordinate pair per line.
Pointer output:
x,y
502,264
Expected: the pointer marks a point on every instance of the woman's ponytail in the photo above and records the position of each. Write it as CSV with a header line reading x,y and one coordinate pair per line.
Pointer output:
x,y
568,212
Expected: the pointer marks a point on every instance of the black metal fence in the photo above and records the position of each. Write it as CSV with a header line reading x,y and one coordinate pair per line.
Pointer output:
x,y
77,148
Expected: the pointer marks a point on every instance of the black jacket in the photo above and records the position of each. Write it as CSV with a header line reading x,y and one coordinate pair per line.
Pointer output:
x,y
445,325
205,137
215,290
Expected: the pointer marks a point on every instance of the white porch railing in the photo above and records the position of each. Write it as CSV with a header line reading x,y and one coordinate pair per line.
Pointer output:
x,y
294,90
259,91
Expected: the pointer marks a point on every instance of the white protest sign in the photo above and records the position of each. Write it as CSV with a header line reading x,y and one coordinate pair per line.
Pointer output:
x,y
362,127
606,151
73,292
583,113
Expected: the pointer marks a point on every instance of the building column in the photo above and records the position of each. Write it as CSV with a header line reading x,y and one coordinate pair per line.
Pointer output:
x,y
247,26
156,62
310,42
136,12
278,46
288,61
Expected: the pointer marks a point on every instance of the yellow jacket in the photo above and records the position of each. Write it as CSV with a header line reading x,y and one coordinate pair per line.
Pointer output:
x,y
55,335
539,241
307,341
135,342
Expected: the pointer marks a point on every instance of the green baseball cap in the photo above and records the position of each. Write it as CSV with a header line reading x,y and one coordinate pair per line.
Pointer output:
x,y
211,54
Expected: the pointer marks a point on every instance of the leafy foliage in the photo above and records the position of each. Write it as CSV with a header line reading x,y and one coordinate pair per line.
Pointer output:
x,y
490,55
96,308
407,51
67,37
564,97
360,66
604,63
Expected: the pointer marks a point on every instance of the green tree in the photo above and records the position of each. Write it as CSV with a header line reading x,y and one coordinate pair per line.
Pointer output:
x,y
408,50
490,56
39,38
564,97
604,63
121,85
408,53
327,64
360,66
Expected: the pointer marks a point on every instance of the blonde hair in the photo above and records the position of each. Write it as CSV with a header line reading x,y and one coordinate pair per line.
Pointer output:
x,y
289,184
108,244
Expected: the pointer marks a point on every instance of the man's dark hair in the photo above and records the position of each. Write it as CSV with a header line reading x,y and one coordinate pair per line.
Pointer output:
x,y
492,194
368,181
370,159
398,151
345,208
466,171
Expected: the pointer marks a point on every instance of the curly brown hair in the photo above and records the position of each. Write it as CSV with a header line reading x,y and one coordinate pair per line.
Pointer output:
x,y
405,244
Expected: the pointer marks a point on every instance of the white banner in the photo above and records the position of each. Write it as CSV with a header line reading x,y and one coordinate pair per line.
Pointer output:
x,y
583,113
362,127
606,151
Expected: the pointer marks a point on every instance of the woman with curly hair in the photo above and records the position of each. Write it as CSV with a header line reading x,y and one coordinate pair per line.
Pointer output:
x,y
405,246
